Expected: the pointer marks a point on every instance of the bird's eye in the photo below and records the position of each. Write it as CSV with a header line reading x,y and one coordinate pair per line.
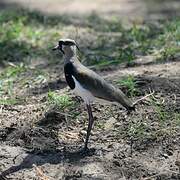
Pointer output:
x,y
66,43
61,43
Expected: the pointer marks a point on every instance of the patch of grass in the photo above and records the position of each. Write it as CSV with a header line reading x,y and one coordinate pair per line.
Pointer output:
x,y
25,34
167,45
142,130
161,41
126,54
161,113
7,79
138,130
10,101
168,121
29,34
99,125
152,126
12,71
167,53
130,84
62,102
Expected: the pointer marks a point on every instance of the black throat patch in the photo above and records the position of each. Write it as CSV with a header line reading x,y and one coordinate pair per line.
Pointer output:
x,y
68,70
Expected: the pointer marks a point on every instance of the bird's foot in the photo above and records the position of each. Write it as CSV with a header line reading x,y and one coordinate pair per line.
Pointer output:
x,y
85,151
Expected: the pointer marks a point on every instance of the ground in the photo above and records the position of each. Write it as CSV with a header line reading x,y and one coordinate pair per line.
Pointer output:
x,y
43,125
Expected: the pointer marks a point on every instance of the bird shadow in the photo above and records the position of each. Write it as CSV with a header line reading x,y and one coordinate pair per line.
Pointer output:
x,y
52,157
41,145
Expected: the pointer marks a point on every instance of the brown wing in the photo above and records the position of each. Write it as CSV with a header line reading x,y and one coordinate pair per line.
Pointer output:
x,y
99,87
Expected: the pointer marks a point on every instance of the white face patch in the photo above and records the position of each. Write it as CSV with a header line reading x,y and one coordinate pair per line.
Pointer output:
x,y
63,47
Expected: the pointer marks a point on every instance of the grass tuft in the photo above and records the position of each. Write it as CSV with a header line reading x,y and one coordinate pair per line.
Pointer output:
x,y
62,102
9,101
130,84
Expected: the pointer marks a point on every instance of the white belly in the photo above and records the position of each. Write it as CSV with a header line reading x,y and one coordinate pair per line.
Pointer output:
x,y
82,92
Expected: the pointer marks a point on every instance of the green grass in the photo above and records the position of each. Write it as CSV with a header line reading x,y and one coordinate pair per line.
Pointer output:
x,y
12,71
161,114
27,36
138,130
167,124
167,45
10,101
7,83
24,35
15,77
130,84
30,34
161,41
62,102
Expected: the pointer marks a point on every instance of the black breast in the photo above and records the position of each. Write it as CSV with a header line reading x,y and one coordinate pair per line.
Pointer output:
x,y
68,70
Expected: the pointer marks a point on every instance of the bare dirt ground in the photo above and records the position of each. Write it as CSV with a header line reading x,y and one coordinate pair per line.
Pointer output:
x,y
39,142
37,138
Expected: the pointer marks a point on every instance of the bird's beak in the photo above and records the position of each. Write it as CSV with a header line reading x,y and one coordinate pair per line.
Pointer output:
x,y
56,48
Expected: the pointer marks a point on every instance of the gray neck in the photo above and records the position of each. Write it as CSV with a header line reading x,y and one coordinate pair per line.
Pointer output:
x,y
69,54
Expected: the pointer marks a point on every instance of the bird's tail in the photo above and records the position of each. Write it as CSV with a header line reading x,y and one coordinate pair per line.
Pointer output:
x,y
124,100
117,95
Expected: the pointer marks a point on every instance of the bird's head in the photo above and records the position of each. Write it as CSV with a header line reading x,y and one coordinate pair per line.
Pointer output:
x,y
66,46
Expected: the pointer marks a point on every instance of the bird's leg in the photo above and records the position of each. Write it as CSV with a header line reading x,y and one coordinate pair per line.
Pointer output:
x,y
90,124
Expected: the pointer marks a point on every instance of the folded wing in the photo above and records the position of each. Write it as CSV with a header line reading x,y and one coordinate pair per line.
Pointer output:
x,y
99,87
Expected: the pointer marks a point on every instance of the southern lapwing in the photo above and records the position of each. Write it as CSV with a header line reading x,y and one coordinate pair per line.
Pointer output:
x,y
86,83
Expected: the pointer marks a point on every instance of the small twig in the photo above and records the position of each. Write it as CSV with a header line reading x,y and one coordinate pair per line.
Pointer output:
x,y
145,97
40,173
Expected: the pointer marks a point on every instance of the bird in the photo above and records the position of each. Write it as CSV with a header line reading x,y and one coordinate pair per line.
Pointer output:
x,y
88,84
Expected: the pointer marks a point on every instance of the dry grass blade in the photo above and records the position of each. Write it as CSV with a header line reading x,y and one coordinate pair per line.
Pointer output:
x,y
143,98
69,136
40,173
